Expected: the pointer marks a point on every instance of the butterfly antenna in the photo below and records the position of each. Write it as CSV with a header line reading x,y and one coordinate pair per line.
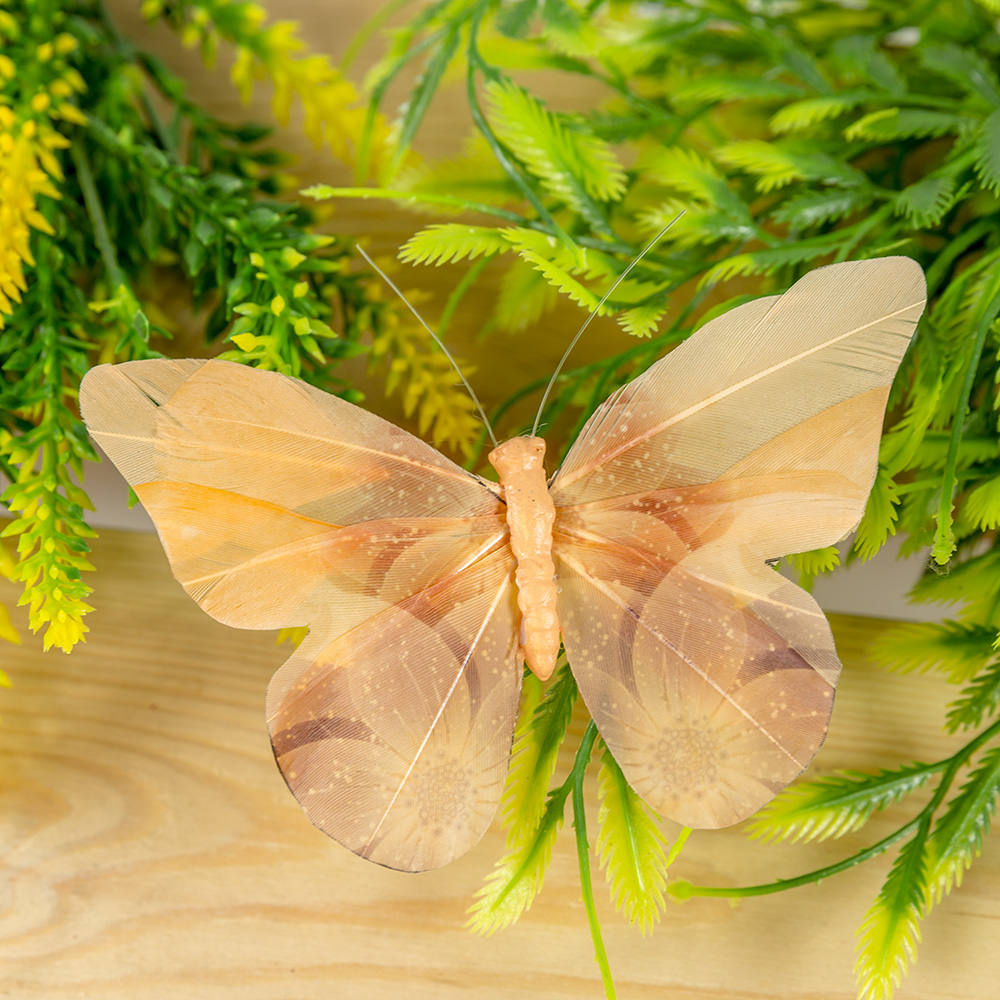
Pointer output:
x,y
437,340
579,333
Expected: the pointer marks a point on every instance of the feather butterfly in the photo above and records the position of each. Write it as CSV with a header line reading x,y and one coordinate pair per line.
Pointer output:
x,y
425,587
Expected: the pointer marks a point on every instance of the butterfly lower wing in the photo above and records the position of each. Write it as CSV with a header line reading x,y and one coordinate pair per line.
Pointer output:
x,y
395,737
712,692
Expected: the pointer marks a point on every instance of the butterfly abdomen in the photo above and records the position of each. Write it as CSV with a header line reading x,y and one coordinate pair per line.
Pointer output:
x,y
530,516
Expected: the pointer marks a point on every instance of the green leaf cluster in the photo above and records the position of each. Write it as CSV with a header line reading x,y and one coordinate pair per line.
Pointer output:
x,y
124,203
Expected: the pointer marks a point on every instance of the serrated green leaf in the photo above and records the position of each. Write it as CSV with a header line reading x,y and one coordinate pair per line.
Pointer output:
x,y
982,505
452,241
570,163
958,835
764,261
964,67
879,518
925,203
811,111
813,208
734,88
891,929
778,164
630,848
517,877
833,806
539,735
953,648
987,152
975,581
979,699
893,124
525,296
642,321
564,282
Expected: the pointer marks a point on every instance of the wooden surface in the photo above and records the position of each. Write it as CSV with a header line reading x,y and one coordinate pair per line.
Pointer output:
x,y
150,849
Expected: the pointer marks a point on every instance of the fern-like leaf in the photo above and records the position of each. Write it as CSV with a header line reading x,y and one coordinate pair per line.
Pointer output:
x,y
925,203
953,648
835,805
893,124
958,835
451,241
879,519
518,876
764,261
979,699
964,67
572,165
536,746
734,88
890,931
525,296
641,321
811,111
987,152
982,505
630,848
812,208
778,164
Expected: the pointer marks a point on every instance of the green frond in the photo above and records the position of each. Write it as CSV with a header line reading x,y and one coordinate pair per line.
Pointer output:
x,y
734,88
778,164
901,441
811,111
630,848
953,648
813,208
684,170
811,564
451,241
517,878
890,932
562,281
974,581
958,835
832,806
987,152
982,504
894,124
539,735
525,297
570,163
979,699
642,321
925,203
966,68
763,261
879,519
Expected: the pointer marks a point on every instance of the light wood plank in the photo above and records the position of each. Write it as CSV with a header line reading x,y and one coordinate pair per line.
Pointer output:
x,y
149,847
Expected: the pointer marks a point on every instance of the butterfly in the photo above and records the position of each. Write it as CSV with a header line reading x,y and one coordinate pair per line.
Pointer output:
x,y
426,587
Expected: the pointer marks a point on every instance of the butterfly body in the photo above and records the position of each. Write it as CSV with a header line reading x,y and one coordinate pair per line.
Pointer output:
x,y
425,587
530,515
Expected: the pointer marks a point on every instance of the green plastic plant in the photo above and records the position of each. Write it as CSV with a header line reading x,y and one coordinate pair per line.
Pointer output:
x,y
114,185
788,134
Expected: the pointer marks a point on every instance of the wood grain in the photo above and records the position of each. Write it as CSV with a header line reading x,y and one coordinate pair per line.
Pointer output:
x,y
150,849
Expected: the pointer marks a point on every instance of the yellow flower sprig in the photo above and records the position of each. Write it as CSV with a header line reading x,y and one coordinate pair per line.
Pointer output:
x,y
30,144
333,112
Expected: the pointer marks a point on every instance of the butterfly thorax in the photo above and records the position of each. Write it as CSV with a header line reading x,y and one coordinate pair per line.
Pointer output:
x,y
530,516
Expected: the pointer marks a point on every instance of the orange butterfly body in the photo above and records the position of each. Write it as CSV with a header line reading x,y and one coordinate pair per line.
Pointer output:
x,y
425,587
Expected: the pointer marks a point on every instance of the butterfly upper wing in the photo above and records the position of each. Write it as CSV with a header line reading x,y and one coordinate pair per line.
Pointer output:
x,y
281,505
711,677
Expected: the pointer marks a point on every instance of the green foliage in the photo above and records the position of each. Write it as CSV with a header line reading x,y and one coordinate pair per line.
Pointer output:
x,y
630,848
121,199
839,804
789,136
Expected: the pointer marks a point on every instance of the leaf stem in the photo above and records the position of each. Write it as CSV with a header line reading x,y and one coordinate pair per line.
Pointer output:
x,y
583,853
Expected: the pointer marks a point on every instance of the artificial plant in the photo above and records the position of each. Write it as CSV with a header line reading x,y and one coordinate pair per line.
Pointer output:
x,y
789,134
118,193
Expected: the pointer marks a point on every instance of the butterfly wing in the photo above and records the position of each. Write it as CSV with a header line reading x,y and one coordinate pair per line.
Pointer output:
x,y
711,677
280,505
